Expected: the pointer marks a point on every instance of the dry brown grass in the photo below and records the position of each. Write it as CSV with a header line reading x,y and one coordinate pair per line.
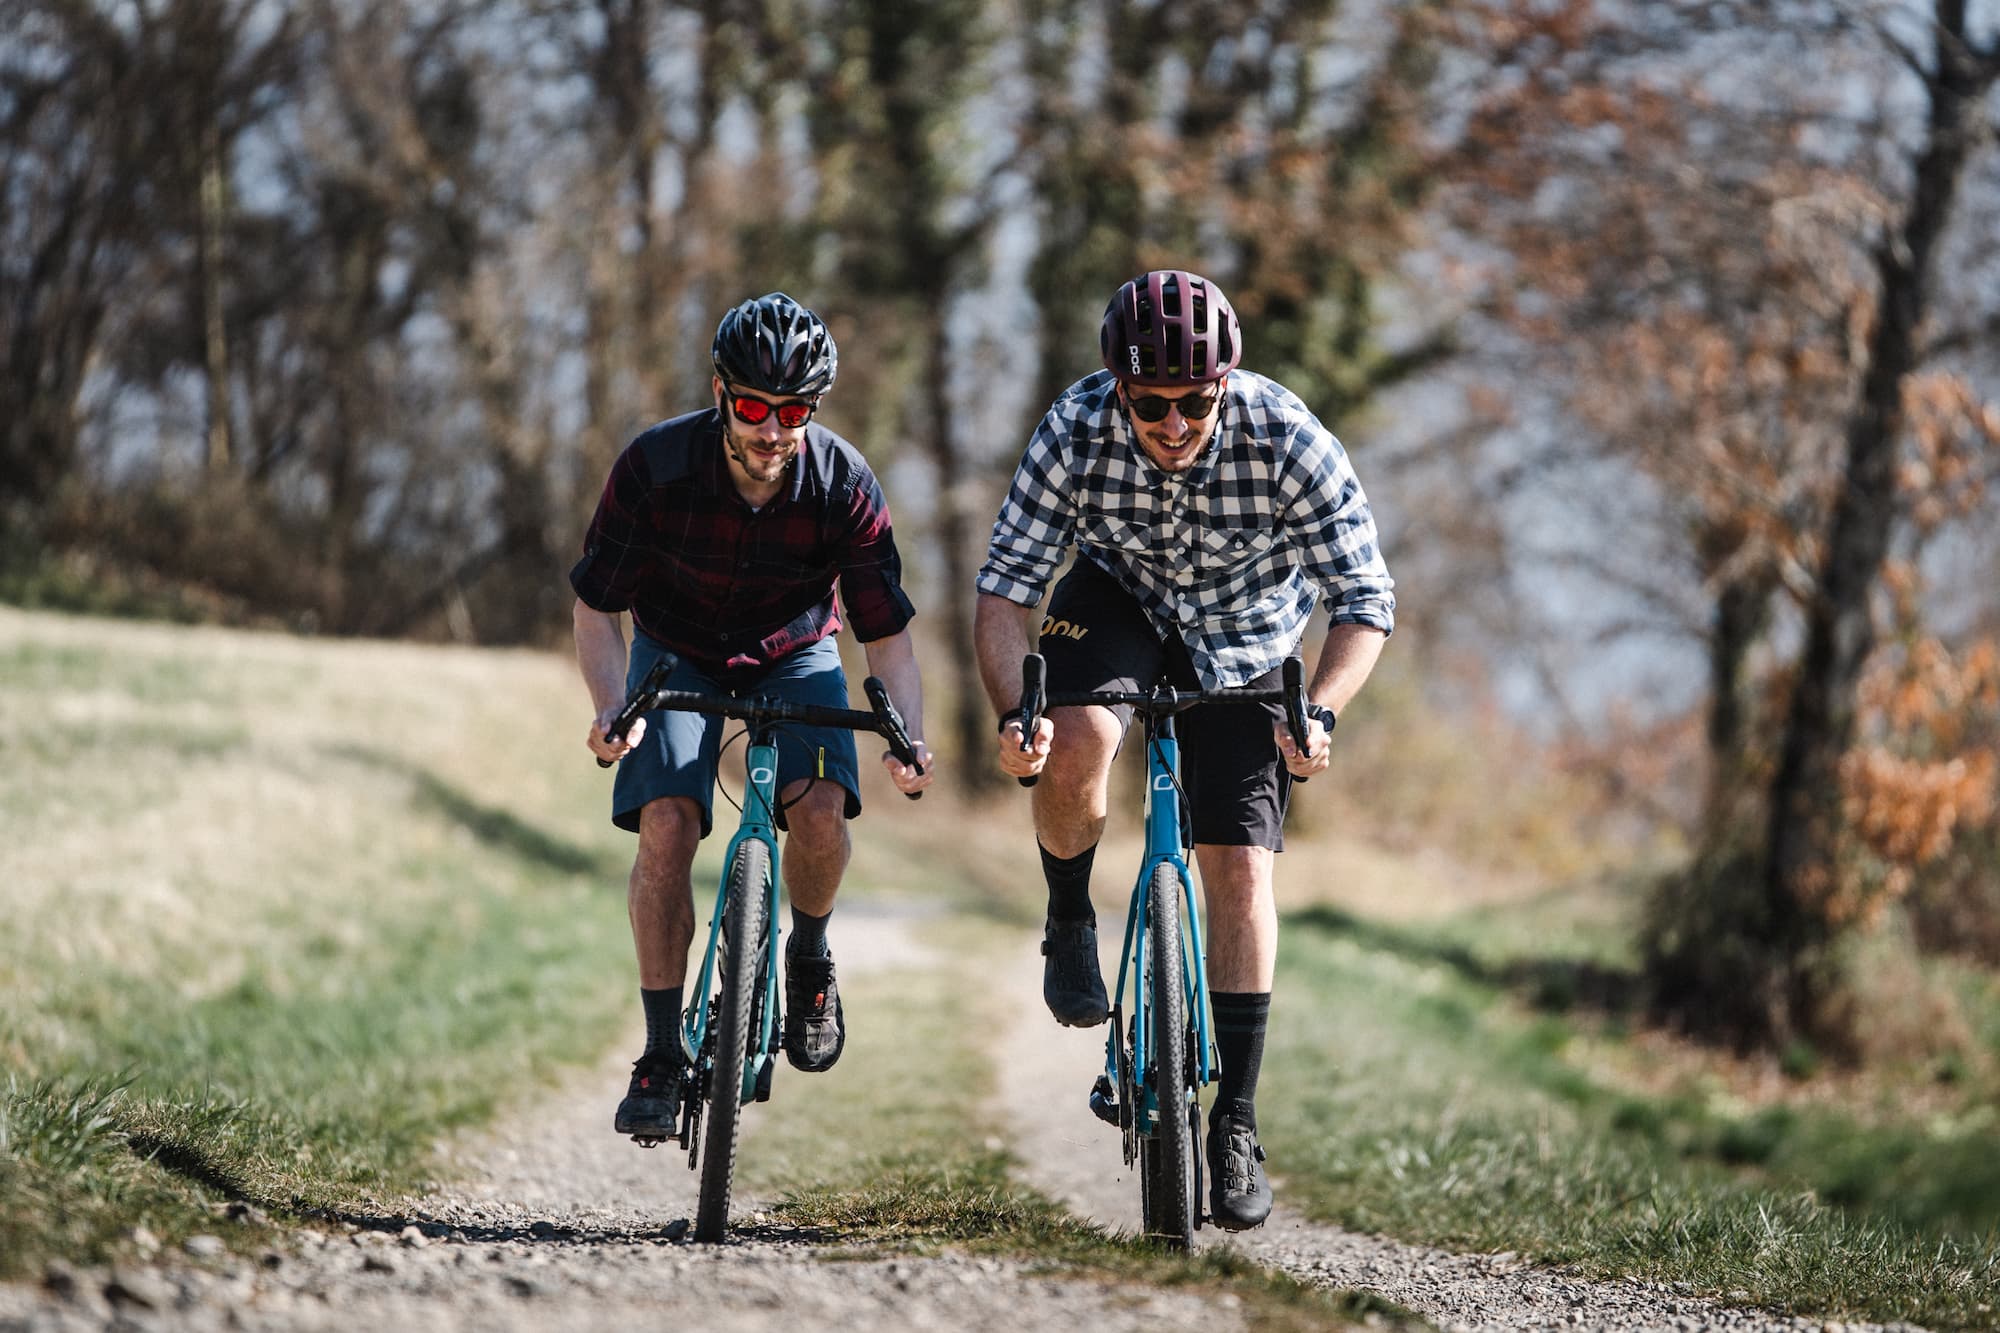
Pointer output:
x,y
184,802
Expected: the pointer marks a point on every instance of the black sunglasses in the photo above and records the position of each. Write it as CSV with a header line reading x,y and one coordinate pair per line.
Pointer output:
x,y
792,414
1193,406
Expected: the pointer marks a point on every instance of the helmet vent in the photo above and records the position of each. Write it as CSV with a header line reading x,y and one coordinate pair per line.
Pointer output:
x,y
1170,327
776,345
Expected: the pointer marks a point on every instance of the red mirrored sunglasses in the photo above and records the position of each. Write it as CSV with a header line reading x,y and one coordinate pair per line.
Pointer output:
x,y
792,413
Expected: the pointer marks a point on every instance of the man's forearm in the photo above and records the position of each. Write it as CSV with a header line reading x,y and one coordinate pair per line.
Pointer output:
x,y
894,661
600,655
1000,637
1345,661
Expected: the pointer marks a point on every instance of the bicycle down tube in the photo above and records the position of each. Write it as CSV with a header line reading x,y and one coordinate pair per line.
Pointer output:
x,y
729,1030
1128,1094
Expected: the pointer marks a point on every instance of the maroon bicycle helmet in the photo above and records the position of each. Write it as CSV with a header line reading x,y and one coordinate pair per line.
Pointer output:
x,y
1170,327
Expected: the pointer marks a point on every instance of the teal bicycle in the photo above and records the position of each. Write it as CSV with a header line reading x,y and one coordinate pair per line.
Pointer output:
x,y
1159,1055
730,1031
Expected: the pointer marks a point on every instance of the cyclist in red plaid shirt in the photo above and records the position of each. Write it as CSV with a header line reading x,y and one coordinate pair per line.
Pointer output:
x,y
724,533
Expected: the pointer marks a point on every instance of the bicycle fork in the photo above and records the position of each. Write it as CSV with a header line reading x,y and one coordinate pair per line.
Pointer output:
x,y
698,1021
1123,1095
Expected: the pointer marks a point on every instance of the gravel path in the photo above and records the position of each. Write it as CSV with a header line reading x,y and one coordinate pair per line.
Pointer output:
x,y
566,1226
1075,1158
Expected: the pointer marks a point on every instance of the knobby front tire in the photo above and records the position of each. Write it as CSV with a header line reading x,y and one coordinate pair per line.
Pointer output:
x,y
1166,1159
747,906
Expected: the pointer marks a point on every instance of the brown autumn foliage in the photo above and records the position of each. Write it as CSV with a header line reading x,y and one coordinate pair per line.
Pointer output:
x,y
1920,795
1741,318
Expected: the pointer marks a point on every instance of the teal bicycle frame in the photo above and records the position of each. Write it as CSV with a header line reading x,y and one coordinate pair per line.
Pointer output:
x,y
1164,842
732,1015
1135,1091
758,823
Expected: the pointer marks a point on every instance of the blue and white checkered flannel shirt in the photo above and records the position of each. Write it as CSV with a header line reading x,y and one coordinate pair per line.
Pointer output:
x,y
1232,554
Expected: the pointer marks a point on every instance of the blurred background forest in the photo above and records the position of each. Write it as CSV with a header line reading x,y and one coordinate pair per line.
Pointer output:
x,y
1665,337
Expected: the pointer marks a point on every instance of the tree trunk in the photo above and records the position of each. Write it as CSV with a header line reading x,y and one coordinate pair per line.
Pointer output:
x,y
1742,611
215,340
1805,813
972,728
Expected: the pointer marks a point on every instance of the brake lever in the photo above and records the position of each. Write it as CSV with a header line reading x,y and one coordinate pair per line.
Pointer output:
x,y
636,702
1295,705
892,727
1034,698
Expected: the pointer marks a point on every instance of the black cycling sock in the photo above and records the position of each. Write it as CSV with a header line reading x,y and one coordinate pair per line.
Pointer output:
x,y
663,1017
1069,884
1240,1018
808,935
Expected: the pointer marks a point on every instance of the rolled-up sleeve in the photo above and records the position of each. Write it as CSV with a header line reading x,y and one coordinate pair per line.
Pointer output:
x,y
1037,522
615,553
871,569
1335,533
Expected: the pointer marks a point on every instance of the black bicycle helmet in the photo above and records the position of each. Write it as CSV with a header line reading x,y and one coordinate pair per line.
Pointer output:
x,y
1170,327
775,345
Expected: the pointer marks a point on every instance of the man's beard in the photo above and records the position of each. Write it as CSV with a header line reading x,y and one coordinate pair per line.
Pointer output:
x,y
740,451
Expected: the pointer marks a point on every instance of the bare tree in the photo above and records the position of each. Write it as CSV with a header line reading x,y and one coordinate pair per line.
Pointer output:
x,y
1956,74
1736,315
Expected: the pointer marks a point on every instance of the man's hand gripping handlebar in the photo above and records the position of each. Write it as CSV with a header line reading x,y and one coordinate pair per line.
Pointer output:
x,y
1035,701
890,724
883,718
638,702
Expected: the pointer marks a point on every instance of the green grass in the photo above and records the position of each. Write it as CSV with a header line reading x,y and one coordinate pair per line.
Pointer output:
x,y
291,911
282,912
912,1085
917,1162
1456,1114
285,912
972,1204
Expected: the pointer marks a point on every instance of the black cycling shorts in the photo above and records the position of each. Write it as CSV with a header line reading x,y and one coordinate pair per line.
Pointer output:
x,y
1096,636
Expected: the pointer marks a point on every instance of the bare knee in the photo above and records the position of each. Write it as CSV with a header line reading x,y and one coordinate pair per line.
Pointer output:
x,y
816,815
1085,742
1236,877
669,832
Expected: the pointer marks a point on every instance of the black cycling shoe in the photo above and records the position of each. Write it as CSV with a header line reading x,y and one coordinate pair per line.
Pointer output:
x,y
652,1105
815,1028
1072,986
1239,1194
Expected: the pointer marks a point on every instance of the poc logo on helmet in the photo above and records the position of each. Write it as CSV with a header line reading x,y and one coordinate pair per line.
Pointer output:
x,y
1133,349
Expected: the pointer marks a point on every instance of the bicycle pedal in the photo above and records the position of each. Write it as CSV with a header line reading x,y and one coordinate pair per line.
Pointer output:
x,y
1104,1100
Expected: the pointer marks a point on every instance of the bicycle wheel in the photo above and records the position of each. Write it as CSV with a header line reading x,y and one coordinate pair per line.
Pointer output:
x,y
1166,1157
747,906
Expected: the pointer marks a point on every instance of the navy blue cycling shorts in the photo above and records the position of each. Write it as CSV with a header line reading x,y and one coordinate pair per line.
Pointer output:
x,y
680,751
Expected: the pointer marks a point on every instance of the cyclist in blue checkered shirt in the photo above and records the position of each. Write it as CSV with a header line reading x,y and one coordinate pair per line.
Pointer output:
x,y
1209,512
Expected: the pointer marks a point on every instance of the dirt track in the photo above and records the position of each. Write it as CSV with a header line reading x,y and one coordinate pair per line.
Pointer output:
x,y
561,1224
1073,1157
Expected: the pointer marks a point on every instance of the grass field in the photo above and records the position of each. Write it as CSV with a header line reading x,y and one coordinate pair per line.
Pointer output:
x,y
1473,1082
279,912
282,912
